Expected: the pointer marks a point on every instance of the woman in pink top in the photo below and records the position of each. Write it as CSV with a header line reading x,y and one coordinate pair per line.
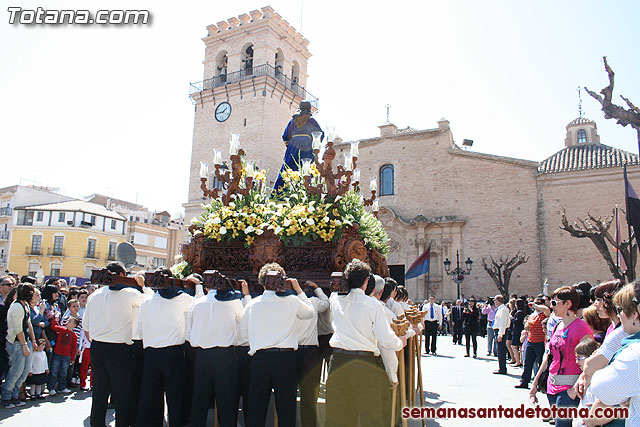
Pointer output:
x,y
563,369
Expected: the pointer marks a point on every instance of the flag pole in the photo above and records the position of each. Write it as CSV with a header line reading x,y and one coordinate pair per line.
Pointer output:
x,y
626,201
617,242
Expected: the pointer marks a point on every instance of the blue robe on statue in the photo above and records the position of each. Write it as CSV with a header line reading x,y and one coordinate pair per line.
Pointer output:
x,y
299,147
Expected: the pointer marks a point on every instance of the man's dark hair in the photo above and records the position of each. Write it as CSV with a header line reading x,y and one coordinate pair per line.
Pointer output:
x,y
356,273
272,266
391,281
25,292
388,290
83,292
28,279
371,285
116,267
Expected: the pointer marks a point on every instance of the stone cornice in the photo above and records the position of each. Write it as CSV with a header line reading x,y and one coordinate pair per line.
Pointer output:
x,y
492,157
421,219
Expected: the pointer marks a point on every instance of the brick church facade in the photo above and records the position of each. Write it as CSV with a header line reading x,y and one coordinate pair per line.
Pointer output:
x,y
433,193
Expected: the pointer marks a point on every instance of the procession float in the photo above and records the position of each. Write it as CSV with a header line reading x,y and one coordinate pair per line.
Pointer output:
x,y
313,224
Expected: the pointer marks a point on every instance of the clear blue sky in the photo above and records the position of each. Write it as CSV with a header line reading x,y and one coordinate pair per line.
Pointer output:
x,y
91,109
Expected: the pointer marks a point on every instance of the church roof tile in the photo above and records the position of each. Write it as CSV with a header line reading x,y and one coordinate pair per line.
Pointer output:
x,y
587,156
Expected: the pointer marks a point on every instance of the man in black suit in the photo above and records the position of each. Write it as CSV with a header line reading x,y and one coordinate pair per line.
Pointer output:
x,y
456,322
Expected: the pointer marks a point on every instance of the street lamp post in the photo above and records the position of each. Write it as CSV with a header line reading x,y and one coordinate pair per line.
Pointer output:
x,y
457,275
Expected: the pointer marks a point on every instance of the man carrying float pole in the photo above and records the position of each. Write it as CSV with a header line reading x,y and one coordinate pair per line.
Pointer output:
x,y
213,325
270,323
162,328
108,322
353,386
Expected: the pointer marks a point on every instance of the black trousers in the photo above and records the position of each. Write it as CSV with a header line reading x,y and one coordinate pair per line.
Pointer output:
x,y
502,352
457,333
113,371
309,366
354,391
216,380
138,359
325,348
244,375
164,371
277,370
468,337
189,363
430,335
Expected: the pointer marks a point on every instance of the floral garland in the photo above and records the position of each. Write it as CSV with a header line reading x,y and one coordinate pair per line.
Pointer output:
x,y
294,215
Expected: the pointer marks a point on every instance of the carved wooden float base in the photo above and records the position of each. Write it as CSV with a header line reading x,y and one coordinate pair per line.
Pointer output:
x,y
312,261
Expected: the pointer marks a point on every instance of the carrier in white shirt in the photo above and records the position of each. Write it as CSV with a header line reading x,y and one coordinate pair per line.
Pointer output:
x,y
395,307
360,325
214,323
162,322
269,320
307,329
111,316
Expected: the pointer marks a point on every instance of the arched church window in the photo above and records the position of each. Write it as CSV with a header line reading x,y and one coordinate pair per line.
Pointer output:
x,y
279,64
247,59
386,180
220,71
582,136
295,76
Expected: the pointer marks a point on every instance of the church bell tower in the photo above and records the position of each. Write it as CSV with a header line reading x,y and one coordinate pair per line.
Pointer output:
x,y
255,76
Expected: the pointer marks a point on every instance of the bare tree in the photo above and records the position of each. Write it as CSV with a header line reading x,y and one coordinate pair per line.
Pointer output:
x,y
624,116
501,270
597,229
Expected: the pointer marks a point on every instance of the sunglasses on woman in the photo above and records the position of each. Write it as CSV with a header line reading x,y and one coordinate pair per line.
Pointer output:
x,y
619,310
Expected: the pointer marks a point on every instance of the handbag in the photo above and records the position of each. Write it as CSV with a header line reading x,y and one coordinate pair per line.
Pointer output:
x,y
544,376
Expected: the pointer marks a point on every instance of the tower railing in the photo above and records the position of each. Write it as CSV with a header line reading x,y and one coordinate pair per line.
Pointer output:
x,y
250,73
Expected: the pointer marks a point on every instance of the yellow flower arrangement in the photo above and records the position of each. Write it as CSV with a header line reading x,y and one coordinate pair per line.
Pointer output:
x,y
293,215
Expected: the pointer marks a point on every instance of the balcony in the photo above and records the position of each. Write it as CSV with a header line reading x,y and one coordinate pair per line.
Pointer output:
x,y
6,211
92,255
257,71
111,257
30,250
4,235
55,252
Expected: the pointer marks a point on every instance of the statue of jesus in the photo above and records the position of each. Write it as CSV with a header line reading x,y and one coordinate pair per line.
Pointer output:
x,y
297,138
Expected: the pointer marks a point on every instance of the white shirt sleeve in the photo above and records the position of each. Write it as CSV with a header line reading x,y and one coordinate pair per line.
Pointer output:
x,y
323,304
244,326
620,380
382,331
199,291
612,343
304,308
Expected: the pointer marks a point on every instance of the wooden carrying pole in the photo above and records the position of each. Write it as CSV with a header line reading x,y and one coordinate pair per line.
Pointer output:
x,y
420,390
394,396
402,385
411,375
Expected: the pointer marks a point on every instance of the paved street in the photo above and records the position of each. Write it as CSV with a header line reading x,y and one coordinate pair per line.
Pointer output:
x,y
450,380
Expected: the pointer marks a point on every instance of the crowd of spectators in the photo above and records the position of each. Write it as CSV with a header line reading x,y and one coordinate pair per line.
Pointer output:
x,y
48,354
